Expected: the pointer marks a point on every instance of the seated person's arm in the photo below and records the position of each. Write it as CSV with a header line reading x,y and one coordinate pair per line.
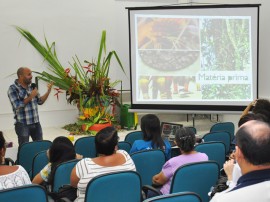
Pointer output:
x,y
247,109
42,175
37,179
159,179
74,180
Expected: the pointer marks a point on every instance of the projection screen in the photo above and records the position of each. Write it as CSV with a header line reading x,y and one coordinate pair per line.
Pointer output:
x,y
194,58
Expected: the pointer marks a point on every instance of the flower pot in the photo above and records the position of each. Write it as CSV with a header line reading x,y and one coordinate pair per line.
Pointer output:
x,y
99,126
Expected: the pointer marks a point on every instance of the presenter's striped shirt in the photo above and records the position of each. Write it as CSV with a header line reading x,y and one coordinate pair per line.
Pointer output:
x,y
23,113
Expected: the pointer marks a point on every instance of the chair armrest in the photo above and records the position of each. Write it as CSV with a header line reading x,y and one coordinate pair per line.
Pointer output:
x,y
146,188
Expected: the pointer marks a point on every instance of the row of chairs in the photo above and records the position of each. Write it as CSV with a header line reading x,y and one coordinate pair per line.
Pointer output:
x,y
33,193
145,168
120,186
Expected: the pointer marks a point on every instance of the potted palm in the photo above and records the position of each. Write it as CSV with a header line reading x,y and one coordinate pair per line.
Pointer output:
x,y
86,84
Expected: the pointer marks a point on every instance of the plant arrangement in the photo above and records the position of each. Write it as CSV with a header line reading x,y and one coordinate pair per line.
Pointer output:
x,y
86,84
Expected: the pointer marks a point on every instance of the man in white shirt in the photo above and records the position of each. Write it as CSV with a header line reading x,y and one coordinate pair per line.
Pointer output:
x,y
253,156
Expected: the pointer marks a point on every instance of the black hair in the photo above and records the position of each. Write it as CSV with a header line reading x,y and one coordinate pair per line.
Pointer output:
x,y
185,139
106,141
255,147
2,140
252,116
150,126
262,106
61,150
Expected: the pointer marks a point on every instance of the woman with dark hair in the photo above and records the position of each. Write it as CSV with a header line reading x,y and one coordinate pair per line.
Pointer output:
x,y
62,150
150,126
185,140
11,176
261,107
109,160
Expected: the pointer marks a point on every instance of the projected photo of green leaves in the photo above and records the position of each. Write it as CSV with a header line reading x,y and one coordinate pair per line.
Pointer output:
x,y
225,47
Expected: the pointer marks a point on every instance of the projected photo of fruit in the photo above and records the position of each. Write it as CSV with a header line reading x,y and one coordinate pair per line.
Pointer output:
x,y
168,44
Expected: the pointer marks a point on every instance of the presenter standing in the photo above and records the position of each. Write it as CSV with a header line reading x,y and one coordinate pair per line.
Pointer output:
x,y
24,98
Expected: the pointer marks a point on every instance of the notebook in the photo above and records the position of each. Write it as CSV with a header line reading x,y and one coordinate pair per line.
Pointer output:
x,y
168,131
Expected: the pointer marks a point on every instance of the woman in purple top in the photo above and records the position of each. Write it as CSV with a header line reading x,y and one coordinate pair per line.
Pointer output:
x,y
185,140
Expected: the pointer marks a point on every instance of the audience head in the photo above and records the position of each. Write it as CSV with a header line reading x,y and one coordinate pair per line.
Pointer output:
x,y
2,146
106,141
262,106
150,126
61,150
185,139
2,140
251,116
253,143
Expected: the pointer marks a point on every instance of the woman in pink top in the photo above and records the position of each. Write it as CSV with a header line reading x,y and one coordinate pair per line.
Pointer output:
x,y
185,140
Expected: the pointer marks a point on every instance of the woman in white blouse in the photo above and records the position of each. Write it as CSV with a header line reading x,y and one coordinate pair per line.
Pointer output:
x,y
109,160
11,176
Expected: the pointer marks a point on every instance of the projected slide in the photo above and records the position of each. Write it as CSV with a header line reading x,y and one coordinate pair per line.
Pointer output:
x,y
193,58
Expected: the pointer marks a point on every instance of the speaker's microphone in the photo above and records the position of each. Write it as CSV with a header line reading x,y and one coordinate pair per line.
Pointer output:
x,y
33,85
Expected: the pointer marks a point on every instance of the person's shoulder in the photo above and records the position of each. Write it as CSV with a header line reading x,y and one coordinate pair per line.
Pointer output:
x,y
202,155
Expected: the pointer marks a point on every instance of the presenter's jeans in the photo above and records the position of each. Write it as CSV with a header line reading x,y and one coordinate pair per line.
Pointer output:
x,y
23,132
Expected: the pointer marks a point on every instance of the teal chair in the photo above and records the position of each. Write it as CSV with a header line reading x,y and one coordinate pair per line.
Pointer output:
x,y
39,162
132,136
62,174
86,146
176,197
224,126
194,130
114,187
148,163
123,145
27,152
26,193
214,150
219,136
196,177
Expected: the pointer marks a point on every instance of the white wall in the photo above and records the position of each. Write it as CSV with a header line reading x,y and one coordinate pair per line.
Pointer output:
x,y
76,26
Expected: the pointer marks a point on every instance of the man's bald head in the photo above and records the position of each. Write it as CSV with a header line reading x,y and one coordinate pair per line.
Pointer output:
x,y
253,139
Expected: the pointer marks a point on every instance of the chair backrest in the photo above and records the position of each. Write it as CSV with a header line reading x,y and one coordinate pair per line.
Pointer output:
x,y
176,197
26,193
224,126
62,174
123,145
39,162
27,152
114,187
148,163
132,136
196,177
214,150
86,146
193,129
219,136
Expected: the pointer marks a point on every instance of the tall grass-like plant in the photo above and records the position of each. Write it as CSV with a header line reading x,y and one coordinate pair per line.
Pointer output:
x,y
87,85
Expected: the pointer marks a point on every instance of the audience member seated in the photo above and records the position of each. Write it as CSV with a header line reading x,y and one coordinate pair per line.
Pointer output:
x,y
11,176
150,126
252,155
62,150
185,140
259,106
231,168
109,160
